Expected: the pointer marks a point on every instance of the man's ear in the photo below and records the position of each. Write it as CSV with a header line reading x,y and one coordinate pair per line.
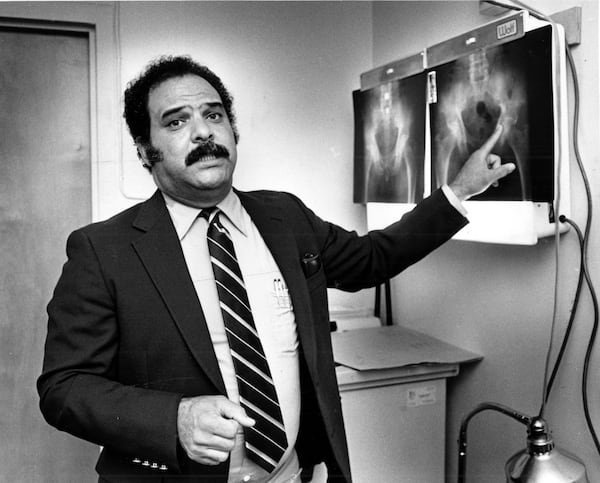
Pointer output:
x,y
142,154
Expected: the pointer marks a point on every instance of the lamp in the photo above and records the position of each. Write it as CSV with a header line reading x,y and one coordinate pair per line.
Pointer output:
x,y
540,462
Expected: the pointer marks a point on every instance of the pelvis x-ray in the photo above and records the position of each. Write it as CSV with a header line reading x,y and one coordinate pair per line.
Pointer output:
x,y
389,138
511,85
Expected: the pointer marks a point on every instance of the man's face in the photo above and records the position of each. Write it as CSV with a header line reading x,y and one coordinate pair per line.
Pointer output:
x,y
191,133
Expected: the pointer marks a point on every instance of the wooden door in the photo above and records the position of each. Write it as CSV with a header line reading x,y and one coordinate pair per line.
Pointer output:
x,y
45,192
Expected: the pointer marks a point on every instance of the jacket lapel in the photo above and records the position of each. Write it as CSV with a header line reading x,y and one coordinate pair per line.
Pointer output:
x,y
280,240
160,252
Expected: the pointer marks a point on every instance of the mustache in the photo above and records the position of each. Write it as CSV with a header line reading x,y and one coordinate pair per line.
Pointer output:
x,y
209,148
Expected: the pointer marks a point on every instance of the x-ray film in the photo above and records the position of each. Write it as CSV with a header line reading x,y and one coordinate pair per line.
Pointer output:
x,y
389,141
508,84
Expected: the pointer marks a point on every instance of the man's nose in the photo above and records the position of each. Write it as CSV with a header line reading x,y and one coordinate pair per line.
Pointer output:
x,y
201,130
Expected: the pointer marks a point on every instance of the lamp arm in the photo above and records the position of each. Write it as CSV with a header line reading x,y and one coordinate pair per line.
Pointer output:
x,y
462,438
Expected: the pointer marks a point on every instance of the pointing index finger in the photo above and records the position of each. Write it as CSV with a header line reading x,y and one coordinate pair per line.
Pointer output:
x,y
493,139
234,411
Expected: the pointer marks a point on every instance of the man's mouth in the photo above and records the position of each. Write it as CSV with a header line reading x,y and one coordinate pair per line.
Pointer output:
x,y
203,159
206,152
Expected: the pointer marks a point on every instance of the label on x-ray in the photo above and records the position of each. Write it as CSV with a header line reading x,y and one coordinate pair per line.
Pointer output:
x,y
419,396
507,29
431,88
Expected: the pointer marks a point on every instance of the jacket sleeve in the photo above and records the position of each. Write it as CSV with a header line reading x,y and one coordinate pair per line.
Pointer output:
x,y
352,262
78,393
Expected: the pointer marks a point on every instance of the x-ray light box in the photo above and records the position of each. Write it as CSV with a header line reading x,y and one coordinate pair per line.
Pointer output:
x,y
510,72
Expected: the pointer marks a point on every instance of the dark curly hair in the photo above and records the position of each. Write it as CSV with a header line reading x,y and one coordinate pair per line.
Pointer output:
x,y
157,71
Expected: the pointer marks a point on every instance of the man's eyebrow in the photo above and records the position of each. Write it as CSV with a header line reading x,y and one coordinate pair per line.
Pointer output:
x,y
176,109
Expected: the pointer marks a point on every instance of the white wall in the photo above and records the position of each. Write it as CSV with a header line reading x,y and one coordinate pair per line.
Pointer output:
x,y
497,300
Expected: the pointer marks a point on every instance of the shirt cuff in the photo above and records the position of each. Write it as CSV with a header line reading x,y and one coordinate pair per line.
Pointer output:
x,y
453,200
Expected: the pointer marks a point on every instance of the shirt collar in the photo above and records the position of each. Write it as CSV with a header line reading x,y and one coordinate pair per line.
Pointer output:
x,y
183,216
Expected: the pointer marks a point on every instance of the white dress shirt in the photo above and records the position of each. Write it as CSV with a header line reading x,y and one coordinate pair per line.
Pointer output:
x,y
273,316
453,200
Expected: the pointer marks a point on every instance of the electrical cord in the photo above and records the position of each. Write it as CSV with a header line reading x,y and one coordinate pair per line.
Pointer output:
x,y
574,307
586,183
586,363
462,437
519,7
583,242
584,245
555,77
583,239
585,253
585,377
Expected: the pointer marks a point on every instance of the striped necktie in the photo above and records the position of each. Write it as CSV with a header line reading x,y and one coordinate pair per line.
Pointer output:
x,y
266,440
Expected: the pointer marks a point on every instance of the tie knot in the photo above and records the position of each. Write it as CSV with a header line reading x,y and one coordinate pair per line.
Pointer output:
x,y
209,214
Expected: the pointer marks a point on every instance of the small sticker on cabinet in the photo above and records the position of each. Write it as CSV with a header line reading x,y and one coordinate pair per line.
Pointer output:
x,y
419,396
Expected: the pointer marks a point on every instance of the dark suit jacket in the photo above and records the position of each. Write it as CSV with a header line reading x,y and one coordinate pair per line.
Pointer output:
x,y
127,337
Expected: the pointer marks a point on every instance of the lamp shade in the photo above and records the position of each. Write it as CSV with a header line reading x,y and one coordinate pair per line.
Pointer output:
x,y
541,462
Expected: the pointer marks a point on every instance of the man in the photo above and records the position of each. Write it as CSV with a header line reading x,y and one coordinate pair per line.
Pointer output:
x,y
141,357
